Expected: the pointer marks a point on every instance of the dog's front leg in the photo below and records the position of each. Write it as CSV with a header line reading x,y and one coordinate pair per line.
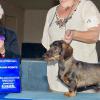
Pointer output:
x,y
72,85
72,89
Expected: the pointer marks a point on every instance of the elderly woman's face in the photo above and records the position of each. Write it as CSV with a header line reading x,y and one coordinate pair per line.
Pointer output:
x,y
66,3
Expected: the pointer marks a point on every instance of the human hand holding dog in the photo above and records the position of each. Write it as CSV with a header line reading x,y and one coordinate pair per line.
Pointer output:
x,y
68,36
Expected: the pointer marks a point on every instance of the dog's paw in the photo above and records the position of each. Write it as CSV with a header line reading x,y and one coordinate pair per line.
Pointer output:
x,y
70,94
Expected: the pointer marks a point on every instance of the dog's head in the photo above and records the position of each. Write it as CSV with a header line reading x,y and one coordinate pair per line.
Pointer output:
x,y
59,50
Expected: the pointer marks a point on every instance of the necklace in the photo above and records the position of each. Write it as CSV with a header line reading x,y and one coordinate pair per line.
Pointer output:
x,y
62,21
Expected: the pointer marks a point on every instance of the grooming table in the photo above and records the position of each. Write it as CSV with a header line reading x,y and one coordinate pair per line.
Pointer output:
x,y
35,86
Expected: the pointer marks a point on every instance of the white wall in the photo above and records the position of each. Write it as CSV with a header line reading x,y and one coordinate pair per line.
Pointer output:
x,y
33,25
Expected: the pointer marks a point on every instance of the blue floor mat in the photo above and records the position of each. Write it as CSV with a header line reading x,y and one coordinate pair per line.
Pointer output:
x,y
36,95
14,99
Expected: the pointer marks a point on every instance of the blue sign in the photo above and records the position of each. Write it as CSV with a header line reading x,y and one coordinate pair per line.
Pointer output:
x,y
9,75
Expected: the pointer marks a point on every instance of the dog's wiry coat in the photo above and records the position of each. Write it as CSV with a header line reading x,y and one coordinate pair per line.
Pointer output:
x,y
72,73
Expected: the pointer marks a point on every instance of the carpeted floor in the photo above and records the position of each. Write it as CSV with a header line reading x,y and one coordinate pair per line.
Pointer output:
x,y
36,95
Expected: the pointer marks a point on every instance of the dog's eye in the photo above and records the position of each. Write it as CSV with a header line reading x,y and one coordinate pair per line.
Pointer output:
x,y
56,49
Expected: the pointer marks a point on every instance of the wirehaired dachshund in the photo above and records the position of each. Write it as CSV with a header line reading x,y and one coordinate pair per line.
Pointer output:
x,y
72,73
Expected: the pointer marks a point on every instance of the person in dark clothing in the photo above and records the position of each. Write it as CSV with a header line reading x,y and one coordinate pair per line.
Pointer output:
x,y
9,46
8,41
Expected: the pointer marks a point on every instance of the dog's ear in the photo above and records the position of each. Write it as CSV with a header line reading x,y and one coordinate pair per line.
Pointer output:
x,y
67,51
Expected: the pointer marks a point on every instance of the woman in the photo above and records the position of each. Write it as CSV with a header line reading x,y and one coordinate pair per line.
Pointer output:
x,y
77,22
8,41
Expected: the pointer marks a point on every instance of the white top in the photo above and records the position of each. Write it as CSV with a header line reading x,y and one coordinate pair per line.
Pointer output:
x,y
85,16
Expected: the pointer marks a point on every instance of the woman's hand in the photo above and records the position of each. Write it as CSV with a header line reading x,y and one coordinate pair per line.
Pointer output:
x,y
68,36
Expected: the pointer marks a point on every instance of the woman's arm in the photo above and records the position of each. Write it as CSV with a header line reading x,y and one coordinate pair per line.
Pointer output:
x,y
90,36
